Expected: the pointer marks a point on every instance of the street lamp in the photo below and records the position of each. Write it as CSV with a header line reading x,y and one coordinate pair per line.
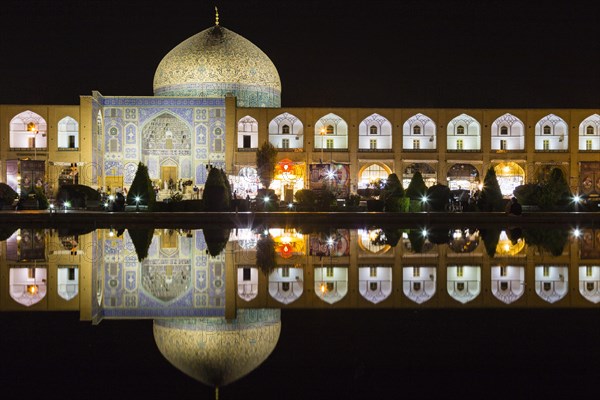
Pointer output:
x,y
137,203
33,129
323,131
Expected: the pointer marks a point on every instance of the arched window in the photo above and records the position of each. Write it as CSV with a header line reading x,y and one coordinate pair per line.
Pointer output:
x,y
373,130
247,133
417,130
460,130
504,130
285,129
589,130
27,131
547,130
329,130
68,133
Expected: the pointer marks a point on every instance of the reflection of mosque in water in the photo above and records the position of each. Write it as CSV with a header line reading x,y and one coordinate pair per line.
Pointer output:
x,y
215,295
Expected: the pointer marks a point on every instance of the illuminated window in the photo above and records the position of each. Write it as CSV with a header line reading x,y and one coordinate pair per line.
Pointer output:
x,y
285,272
285,143
416,144
459,144
330,143
373,130
373,144
503,145
459,271
502,271
589,130
329,272
588,271
417,130
546,270
588,145
285,129
547,130
416,272
504,130
546,144
373,272
329,129
460,130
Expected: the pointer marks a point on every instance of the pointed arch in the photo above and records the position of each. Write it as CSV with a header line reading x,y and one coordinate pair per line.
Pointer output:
x,y
508,283
463,134
375,133
551,282
331,283
589,282
331,132
286,284
28,130
508,133
247,278
589,133
375,282
286,131
419,283
247,137
419,133
551,134
464,282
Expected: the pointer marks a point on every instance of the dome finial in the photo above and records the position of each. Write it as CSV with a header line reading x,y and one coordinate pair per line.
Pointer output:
x,y
216,16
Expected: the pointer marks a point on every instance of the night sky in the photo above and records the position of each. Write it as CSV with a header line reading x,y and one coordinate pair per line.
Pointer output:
x,y
404,53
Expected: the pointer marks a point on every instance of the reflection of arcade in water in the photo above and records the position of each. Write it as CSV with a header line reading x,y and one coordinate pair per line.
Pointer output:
x,y
214,273
215,295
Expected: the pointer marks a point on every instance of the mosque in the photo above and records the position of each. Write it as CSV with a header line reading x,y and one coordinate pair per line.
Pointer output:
x,y
217,98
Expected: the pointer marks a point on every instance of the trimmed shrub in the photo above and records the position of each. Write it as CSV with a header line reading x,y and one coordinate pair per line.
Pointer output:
x,y
216,196
7,195
438,196
491,197
528,194
416,188
141,187
306,199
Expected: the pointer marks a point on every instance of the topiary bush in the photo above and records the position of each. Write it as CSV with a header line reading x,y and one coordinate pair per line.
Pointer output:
x,y
438,196
141,188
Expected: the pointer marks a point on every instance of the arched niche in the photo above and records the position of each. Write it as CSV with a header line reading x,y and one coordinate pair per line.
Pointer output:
x,y
286,284
509,175
68,281
508,133
331,133
247,133
589,282
463,176
28,130
463,134
375,133
551,282
286,131
589,133
508,283
465,240
551,134
28,285
375,282
419,133
369,241
508,247
331,283
247,282
419,283
68,133
370,173
464,282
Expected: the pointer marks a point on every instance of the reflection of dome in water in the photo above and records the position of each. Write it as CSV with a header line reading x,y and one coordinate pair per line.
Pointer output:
x,y
217,352
216,62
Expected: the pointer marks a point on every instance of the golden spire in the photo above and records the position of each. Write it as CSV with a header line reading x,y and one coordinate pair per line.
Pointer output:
x,y
216,16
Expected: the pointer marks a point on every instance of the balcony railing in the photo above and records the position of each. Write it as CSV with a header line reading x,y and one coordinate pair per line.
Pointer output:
x,y
551,151
420,150
464,150
248,149
330,150
28,149
68,149
375,150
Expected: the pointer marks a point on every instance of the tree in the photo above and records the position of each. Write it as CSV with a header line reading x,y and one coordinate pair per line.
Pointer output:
x,y
266,156
491,195
266,259
141,239
216,196
416,188
438,196
391,193
555,192
141,188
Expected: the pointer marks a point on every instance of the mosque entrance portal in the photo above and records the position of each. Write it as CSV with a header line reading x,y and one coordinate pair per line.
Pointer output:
x,y
168,173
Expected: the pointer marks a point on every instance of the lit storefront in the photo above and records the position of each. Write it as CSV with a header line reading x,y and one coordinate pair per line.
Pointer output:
x,y
509,175
288,179
463,176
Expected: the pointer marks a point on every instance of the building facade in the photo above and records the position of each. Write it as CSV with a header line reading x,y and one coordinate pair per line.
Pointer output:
x,y
217,98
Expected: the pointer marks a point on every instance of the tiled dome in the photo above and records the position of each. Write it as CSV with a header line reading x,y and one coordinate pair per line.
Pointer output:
x,y
217,62
217,352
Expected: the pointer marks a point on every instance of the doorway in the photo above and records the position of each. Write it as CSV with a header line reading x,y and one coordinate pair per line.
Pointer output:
x,y
168,173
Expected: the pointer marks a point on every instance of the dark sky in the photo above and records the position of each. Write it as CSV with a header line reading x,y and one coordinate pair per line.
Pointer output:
x,y
403,53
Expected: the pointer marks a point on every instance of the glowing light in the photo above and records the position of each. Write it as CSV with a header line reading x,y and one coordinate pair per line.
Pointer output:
x,y
111,197
330,174
267,199
111,234
330,241
33,289
424,232
577,198
137,199
290,205
424,199
51,206
67,204
576,232
323,288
